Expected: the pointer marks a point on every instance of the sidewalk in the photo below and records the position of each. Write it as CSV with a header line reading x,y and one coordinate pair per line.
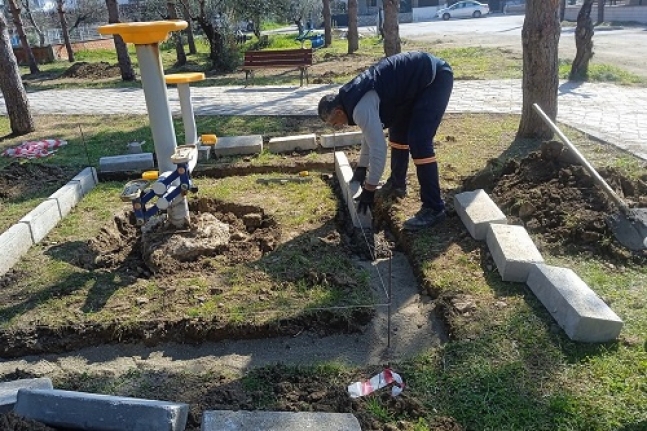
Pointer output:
x,y
611,113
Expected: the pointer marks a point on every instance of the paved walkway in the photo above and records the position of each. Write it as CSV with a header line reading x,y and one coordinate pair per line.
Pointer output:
x,y
614,114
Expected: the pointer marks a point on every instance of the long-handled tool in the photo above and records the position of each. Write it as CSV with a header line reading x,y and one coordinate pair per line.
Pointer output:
x,y
630,224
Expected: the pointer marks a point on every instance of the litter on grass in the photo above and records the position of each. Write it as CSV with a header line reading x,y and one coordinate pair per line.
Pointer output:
x,y
378,381
34,149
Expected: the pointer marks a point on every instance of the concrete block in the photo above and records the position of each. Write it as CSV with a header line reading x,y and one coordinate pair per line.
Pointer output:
x,y
287,144
573,305
67,197
204,153
14,243
9,390
88,179
221,420
127,163
238,145
477,211
513,251
350,191
93,412
42,219
345,139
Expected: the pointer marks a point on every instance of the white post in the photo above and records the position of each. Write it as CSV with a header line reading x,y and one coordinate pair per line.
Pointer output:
x,y
161,120
188,119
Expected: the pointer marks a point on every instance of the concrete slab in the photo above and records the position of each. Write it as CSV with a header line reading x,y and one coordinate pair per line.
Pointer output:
x,y
88,179
476,210
350,191
513,251
574,305
94,412
127,163
238,145
288,144
221,420
204,153
345,139
67,197
42,219
9,390
14,243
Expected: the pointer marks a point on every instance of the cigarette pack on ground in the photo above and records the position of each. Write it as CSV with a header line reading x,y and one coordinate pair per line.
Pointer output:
x,y
385,378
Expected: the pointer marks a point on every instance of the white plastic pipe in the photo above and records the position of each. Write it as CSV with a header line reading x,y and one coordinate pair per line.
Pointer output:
x,y
159,113
188,117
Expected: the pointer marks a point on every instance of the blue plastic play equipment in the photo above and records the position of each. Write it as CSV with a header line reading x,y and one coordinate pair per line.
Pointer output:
x,y
316,40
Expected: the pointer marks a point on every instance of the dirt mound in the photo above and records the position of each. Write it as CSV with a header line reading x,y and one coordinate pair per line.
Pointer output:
x,y
13,422
84,70
559,200
20,179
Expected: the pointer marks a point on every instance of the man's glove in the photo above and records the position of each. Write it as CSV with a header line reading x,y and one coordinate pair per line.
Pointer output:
x,y
365,201
359,175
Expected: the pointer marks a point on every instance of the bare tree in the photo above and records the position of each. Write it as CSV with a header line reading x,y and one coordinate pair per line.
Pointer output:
x,y
125,65
24,43
179,46
60,9
353,35
540,40
583,42
26,4
391,27
327,17
601,4
13,91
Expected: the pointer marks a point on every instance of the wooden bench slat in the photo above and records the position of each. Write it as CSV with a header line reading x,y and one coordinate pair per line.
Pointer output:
x,y
299,59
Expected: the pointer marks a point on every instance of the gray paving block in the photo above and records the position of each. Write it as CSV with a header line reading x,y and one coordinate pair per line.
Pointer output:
x,y
14,243
9,390
67,197
287,144
573,304
42,219
127,163
238,145
88,179
513,251
477,211
350,191
228,420
204,153
345,139
94,412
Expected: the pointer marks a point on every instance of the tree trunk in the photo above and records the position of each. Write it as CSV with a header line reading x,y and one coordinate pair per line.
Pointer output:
x,y
540,40
391,27
125,65
66,34
353,35
562,10
583,42
601,4
13,91
186,13
32,21
179,46
327,17
216,43
24,43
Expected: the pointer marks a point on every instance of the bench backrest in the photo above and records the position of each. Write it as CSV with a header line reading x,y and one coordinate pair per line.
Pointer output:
x,y
277,58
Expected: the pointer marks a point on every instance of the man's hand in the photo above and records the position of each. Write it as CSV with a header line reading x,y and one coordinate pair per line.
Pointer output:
x,y
365,201
359,175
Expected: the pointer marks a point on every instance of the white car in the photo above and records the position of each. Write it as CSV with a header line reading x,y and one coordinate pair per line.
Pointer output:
x,y
464,9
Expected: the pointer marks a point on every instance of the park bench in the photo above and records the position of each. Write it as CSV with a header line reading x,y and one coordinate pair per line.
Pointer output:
x,y
299,59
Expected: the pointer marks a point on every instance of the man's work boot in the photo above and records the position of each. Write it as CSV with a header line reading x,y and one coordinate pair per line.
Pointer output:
x,y
389,191
425,218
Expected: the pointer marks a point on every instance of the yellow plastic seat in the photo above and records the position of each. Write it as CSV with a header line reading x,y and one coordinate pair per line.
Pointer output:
x,y
184,78
143,33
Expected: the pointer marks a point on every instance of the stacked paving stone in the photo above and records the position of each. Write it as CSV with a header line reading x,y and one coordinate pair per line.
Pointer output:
x,y
35,226
576,308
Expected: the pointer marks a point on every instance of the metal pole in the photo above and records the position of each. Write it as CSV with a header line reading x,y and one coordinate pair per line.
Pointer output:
x,y
188,118
388,323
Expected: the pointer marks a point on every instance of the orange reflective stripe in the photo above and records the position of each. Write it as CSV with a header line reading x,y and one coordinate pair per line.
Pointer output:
x,y
425,161
398,146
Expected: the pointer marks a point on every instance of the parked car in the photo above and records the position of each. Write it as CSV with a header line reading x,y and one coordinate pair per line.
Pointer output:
x,y
514,6
464,9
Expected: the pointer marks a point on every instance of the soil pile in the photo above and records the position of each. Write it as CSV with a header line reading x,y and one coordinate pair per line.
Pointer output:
x,y
84,70
20,179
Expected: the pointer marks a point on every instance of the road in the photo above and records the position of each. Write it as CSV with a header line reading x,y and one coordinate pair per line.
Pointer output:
x,y
623,46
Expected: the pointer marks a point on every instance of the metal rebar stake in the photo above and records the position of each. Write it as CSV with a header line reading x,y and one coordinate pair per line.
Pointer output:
x,y
389,301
